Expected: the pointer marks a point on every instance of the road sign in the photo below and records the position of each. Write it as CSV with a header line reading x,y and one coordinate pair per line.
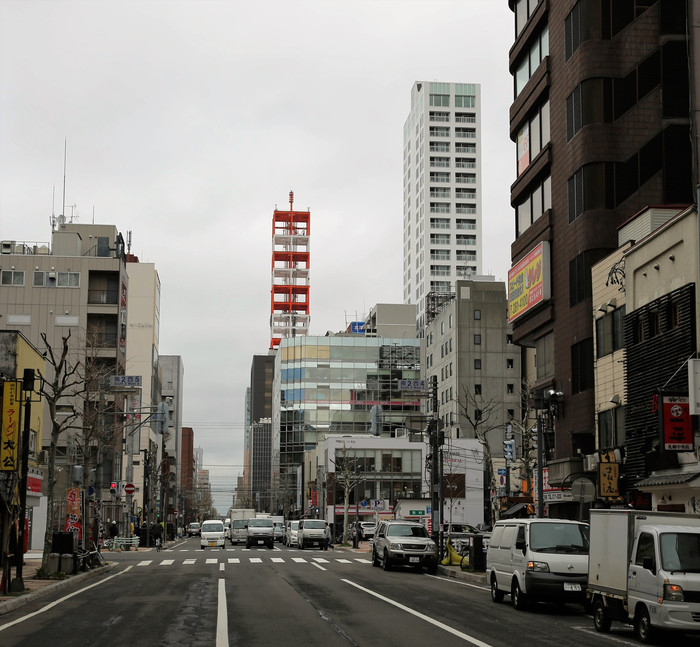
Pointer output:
x,y
129,381
129,488
412,385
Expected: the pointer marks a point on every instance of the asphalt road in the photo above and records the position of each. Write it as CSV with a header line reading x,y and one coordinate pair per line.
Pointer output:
x,y
185,596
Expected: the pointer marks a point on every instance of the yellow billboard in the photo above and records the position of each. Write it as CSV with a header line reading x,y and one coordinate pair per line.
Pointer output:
x,y
9,439
529,281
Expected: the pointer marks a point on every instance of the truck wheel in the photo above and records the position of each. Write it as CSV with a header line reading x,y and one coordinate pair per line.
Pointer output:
x,y
642,625
601,617
518,597
496,594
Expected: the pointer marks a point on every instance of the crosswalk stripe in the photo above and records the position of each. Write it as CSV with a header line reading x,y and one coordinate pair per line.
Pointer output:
x,y
299,560
167,562
343,561
277,560
146,562
234,560
363,561
320,560
189,561
212,560
255,560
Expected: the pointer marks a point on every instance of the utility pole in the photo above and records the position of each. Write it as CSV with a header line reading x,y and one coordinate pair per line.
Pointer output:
x,y
540,466
434,475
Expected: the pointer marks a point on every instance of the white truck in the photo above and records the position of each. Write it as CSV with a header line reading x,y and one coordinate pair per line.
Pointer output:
x,y
644,570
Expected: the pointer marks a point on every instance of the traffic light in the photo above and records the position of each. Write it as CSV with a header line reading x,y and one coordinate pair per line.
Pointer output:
x,y
113,487
509,449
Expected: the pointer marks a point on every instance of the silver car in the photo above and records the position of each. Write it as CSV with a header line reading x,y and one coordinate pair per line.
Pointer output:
x,y
404,543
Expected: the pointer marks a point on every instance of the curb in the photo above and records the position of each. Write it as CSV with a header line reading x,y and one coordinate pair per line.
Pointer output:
x,y
458,574
14,603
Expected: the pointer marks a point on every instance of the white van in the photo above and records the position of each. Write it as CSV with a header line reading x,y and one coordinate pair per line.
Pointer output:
x,y
212,534
538,560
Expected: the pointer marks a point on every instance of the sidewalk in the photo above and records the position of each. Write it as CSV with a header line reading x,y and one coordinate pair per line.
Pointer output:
x,y
36,588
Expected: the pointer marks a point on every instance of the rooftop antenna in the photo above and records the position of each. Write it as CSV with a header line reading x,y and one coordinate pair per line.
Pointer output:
x,y
128,242
65,151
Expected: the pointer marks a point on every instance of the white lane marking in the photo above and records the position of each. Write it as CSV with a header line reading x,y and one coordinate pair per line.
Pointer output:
x,y
343,561
222,566
167,562
318,566
456,581
255,560
299,560
63,599
432,621
234,560
277,560
320,560
363,561
212,561
222,617
145,562
189,561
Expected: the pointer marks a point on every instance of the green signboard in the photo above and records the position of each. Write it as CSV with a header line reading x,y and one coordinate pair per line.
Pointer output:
x,y
416,513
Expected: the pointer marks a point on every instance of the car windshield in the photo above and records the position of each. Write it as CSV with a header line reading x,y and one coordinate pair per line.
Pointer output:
x,y
212,526
294,525
406,531
194,526
559,537
239,523
680,551
260,523
314,523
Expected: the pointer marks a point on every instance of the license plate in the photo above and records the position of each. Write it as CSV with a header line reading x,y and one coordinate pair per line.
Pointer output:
x,y
572,586
212,543
414,560
261,541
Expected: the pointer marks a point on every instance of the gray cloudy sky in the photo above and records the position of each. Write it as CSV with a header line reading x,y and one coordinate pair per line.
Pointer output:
x,y
187,122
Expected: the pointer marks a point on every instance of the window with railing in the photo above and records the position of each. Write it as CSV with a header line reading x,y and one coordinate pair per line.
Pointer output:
x,y
108,297
466,239
440,147
439,116
439,192
439,207
464,148
464,255
465,133
439,254
439,177
439,223
440,161
465,118
465,194
466,223
465,178
465,209
439,270
465,162
439,131
439,239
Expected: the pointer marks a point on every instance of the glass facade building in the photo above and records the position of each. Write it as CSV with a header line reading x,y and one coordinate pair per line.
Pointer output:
x,y
329,385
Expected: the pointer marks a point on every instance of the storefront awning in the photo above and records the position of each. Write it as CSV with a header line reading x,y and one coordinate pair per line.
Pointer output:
x,y
667,479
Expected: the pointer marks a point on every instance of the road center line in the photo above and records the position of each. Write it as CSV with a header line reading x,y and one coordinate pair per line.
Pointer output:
x,y
222,617
318,566
63,599
432,621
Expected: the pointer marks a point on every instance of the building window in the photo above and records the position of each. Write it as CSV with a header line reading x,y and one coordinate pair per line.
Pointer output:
x,y
477,340
580,286
12,277
582,366
534,205
654,323
523,10
439,223
674,316
511,414
439,239
533,137
477,364
509,339
572,31
611,428
544,356
509,363
442,100
477,315
531,60
477,414
510,388
477,389
439,131
609,332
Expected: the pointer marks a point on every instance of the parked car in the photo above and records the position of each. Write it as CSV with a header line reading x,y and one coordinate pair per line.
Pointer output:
x,y
278,527
260,531
368,529
239,531
212,534
194,530
290,533
227,528
310,533
404,543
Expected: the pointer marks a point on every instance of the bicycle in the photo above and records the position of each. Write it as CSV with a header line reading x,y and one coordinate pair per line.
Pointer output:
x,y
159,544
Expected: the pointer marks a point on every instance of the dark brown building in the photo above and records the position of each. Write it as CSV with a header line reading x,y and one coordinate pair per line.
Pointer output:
x,y
602,123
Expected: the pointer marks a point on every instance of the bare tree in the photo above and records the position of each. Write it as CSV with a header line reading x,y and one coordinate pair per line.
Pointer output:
x,y
64,384
522,427
481,416
347,475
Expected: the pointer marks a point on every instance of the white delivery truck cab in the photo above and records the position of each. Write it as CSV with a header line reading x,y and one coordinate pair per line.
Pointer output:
x,y
644,569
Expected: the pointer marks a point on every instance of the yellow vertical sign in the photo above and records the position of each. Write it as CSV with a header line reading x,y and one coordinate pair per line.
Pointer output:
x,y
9,438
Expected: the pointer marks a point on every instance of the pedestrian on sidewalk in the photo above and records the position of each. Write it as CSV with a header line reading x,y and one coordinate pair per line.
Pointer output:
x,y
326,537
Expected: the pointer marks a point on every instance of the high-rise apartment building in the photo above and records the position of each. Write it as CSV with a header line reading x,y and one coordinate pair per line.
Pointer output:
x,y
441,191
602,122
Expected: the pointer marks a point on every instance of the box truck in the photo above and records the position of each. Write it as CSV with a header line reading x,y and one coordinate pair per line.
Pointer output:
x,y
644,570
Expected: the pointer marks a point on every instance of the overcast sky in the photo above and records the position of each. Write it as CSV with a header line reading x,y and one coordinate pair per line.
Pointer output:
x,y
188,122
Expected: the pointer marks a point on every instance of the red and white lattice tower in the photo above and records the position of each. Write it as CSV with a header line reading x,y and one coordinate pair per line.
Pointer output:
x,y
289,312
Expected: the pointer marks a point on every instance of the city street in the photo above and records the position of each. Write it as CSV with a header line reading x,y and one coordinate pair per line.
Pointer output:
x,y
184,596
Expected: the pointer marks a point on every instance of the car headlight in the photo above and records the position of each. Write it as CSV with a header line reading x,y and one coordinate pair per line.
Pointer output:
x,y
673,592
395,545
538,567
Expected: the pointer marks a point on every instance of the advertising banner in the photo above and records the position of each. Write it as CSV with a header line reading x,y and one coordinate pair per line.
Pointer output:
x,y
676,425
529,281
9,440
73,517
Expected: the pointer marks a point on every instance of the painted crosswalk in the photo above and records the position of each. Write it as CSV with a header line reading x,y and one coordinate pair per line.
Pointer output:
x,y
252,560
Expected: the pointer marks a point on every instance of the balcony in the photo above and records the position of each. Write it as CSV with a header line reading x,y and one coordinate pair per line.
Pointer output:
x,y
106,297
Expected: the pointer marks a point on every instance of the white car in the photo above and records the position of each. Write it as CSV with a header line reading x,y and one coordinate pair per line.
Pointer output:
x,y
290,535
213,534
